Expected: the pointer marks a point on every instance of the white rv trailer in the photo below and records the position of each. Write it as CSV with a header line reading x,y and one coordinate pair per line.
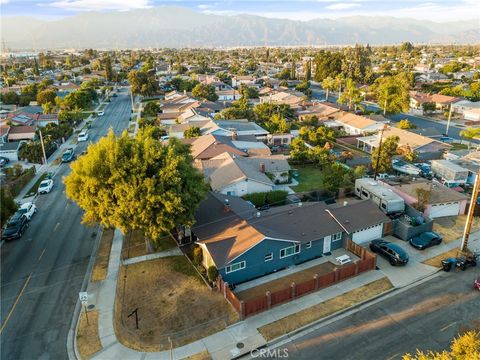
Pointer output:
x,y
386,199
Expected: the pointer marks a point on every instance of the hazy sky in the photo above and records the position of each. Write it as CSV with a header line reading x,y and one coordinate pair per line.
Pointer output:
x,y
440,10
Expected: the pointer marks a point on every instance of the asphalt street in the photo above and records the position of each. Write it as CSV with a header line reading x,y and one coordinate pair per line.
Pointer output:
x,y
421,123
42,273
425,317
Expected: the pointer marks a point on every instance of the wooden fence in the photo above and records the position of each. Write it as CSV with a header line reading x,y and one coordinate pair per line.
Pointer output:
x,y
251,307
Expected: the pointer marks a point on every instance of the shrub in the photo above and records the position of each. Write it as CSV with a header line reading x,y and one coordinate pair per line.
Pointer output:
x,y
197,255
212,273
277,197
257,199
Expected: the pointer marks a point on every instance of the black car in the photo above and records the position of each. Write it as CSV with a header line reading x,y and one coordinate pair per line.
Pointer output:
x,y
425,240
4,161
15,227
392,252
68,155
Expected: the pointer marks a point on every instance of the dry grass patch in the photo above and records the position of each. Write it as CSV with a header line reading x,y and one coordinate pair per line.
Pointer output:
x,y
286,281
103,255
134,245
172,301
204,355
326,308
88,340
437,260
451,228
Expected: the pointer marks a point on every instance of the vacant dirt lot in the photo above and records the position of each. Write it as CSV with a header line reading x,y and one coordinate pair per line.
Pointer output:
x,y
134,245
451,228
286,281
172,301
437,260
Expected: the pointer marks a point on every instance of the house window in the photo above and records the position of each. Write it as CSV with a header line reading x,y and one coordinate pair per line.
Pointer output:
x,y
337,237
308,245
364,193
268,257
289,251
235,267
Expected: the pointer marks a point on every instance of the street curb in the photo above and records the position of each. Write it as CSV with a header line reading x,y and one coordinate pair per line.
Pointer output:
x,y
72,350
330,318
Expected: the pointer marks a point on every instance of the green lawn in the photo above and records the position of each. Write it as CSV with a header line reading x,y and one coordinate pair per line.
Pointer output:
x,y
309,178
458,146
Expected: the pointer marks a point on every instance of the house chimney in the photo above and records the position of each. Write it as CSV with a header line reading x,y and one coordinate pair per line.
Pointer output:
x,y
262,167
226,205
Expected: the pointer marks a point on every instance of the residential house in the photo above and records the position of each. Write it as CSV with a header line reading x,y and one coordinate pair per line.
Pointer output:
x,y
22,132
239,127
442,201
288,97
418,143
206,127
10,150
228,95
238,176
358,125
244,244
4,129
209,146
248,80
442,102
279,139
323,111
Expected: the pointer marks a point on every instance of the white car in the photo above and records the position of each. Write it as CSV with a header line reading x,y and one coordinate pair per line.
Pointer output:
x,y
83,136
101,113
45,186
28,209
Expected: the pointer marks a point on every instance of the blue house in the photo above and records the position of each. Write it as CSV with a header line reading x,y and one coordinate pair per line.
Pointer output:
x,y
244,244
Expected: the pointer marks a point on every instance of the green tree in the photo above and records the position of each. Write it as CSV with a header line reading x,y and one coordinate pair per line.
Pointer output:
x,y
387,152
192,132
107,67
406,47
8,206
212,274
10,98
406,124
248,92
264,111
277,124
356,63
152,108
136,183
240,109
470,133
428,107
293,70
204,92
143,82
45,96
48,108
298,150
464,347
327,64
351,95
392,94
308,70
328,84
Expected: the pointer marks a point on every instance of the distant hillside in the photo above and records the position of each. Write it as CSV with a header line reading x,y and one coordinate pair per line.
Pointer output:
x,y
169,26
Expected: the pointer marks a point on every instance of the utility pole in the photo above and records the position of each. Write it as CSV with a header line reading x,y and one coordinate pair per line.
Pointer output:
x,y
471,210
448,122
43,147
385,107
171,348
379,152
131,97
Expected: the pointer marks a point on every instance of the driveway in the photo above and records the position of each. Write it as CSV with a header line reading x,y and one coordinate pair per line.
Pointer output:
x,y
401,276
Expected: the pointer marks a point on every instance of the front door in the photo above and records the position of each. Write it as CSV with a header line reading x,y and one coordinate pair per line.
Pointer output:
x,y
327,242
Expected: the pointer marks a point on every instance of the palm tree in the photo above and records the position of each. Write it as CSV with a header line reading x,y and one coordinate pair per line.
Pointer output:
x,y
328,84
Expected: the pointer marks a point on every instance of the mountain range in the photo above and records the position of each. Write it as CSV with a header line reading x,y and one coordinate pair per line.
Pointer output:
x,y
177,27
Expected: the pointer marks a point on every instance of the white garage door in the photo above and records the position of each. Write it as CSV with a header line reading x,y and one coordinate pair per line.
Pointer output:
x,y
10,154
447,209
368,234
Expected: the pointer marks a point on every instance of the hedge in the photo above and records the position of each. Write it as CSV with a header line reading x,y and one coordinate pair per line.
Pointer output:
x,y
273,198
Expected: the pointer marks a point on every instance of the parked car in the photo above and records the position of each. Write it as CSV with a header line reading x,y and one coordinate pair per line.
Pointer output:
x,y
83,136
45,186
68,155
425,240
392,252
101,113
476,283
4,161
28,209
15,227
